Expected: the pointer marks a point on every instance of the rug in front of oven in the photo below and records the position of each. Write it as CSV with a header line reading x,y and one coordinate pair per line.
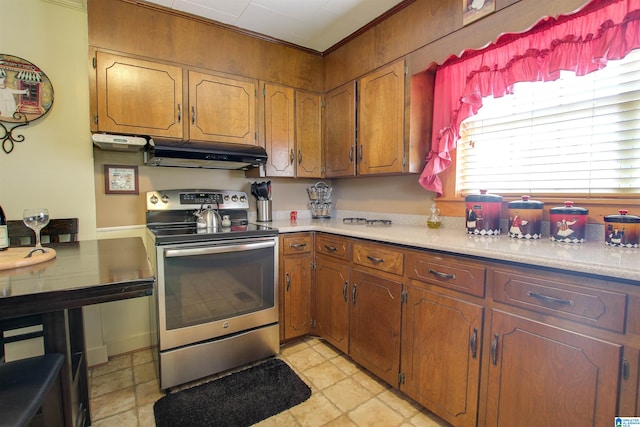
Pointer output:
x,y
239,399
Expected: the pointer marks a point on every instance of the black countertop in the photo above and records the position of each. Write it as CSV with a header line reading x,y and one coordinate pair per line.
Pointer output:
x,y
82,273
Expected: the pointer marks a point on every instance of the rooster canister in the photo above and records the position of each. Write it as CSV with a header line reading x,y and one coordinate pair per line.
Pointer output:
x,y
525,218
483,213
568,223
622,230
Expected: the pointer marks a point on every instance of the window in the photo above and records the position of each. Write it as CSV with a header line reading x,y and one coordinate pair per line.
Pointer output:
x,y
577,136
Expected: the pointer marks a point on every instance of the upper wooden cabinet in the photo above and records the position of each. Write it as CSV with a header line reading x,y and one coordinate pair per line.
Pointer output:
x,y
292,132
381,121
366,129
138,97
222,109
340,131
146,98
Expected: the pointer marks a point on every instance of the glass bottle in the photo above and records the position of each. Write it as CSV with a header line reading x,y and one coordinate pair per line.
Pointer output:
x,y
434,219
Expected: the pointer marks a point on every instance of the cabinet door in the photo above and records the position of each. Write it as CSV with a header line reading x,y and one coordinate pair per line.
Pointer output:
x,y
222,109
297,296
548,376
374,339
308,135
340,131
332,303
381,121
279,115
138,97
441,338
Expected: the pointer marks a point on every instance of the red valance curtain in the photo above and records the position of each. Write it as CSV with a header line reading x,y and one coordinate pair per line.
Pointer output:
x,y
581,42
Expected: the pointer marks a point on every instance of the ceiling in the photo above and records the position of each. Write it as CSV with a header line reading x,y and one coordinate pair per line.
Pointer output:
x,y
312,24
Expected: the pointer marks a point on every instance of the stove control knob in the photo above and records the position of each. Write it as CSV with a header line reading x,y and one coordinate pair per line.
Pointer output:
x,y
165,199
234,198
243,199
226,197
154,199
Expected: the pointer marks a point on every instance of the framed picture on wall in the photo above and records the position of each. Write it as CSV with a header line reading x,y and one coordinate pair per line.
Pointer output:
x,y
120,179
472,10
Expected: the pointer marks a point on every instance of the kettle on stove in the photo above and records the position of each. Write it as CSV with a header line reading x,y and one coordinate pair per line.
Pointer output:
x,y
208,217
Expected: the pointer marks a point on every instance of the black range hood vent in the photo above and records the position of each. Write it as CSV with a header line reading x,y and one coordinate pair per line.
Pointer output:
x,y
208,155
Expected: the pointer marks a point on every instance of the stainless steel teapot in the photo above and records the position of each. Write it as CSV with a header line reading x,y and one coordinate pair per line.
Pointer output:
x,y
208,217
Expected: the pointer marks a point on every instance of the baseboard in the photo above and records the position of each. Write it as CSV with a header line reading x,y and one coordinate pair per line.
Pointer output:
x,y
97,355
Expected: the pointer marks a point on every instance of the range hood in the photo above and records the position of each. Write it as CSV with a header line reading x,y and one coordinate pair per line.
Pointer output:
x,y
204,155
118,142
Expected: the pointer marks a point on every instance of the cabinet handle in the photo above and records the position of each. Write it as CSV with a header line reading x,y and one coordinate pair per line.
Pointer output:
x,y
344,291
547,298
288,281
193,115
330,248
360,156
353,294
494,350
375,259
297,245
299,156
351,155
179,113
441,275
292,156
474,343
625,369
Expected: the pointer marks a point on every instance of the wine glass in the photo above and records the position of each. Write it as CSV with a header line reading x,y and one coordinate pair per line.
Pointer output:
x,y
36,219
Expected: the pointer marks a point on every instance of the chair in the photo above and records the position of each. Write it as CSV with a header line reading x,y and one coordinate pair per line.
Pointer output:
x,y
27,385
21,235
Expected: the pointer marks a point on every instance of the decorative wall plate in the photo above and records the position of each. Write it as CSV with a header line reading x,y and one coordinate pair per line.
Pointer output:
x,y
26,94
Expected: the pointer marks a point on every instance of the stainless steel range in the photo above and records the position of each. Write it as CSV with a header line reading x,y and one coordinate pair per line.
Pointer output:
x,y
216,305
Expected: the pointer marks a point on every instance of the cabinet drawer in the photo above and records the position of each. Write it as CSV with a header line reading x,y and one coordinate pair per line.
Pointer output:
x,y
334,246
600,308
448,272
296,244
380,257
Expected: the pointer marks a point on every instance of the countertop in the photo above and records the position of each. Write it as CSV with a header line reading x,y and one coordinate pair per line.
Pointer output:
x,y
82,273
591,257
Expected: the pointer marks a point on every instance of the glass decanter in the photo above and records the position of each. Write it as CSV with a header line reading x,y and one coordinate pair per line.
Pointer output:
x,y
434,218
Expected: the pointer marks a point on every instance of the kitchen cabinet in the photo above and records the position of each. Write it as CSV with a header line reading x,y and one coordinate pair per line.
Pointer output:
x,y
381,121
339,138
374,146
374,324
142,97
222,108
442,335
332,278
292,132
138,97
295,285
358,310
545,374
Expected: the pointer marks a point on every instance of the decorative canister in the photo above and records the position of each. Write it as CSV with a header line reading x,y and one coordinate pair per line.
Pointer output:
x,y
622,230
483,213
525,218
568,223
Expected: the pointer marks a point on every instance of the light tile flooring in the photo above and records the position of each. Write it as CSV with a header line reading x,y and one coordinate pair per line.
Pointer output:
x,y
124,390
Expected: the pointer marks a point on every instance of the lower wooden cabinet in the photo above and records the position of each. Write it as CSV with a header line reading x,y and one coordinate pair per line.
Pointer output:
x,y
544,376
441,348
374,326
332,301
296,283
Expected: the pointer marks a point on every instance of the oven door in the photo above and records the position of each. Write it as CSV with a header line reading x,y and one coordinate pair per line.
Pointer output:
x,y
214,289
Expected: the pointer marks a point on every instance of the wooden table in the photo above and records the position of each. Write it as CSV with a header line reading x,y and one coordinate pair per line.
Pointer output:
x,y
83,273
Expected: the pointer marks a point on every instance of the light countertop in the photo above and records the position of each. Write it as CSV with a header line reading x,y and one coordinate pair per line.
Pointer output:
x,y
591,257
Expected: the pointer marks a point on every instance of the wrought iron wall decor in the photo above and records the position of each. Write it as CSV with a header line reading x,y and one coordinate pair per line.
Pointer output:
x,y
26,94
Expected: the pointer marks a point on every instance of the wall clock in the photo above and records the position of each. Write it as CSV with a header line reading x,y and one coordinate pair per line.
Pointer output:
x,y
26,94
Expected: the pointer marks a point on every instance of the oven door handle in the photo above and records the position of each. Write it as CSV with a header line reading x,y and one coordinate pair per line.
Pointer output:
x,y
169,253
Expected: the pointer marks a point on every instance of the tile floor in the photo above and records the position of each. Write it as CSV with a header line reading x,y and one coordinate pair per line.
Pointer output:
x,y
124,390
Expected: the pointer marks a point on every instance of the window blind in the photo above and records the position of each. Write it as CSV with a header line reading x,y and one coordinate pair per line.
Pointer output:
x,y
578,135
